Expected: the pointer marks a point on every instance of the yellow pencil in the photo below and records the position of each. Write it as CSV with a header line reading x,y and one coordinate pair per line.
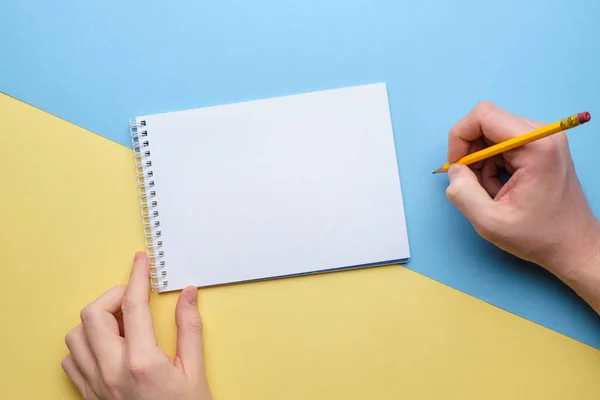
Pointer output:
x,y
562,125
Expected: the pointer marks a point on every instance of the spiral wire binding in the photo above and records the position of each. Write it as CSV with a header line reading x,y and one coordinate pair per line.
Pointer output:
x,y
148,203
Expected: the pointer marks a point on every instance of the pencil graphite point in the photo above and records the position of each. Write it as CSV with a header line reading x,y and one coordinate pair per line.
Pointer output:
x,y
439,170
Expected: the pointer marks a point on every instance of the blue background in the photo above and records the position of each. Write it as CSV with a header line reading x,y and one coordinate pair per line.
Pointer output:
x,y
99,64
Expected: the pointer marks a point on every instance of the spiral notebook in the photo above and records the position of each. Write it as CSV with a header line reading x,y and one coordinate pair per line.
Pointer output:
x,y
270,188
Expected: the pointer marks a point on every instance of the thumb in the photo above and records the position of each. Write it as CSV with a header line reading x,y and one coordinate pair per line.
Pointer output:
x,y
467,194
190,347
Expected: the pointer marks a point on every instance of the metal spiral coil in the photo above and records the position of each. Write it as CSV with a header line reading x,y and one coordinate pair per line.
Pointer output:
x,y
148,204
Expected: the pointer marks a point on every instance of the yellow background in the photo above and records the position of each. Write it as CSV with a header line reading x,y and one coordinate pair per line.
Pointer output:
x,y
70,224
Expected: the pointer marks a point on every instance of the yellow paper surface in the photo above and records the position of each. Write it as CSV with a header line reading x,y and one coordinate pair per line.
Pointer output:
x,y
70,224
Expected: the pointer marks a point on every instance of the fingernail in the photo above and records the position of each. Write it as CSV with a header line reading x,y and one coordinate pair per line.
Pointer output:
x,y
139,255
190,294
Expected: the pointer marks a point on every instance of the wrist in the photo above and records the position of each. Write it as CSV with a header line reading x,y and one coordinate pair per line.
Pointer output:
x,y
579,265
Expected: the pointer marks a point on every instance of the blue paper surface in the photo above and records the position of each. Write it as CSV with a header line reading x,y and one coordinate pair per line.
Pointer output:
x,y
99,64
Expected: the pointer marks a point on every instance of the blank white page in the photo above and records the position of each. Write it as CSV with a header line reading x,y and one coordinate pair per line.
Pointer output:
x,y
283,186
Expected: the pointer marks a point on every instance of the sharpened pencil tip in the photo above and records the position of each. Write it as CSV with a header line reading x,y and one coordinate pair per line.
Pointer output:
x,y
439,170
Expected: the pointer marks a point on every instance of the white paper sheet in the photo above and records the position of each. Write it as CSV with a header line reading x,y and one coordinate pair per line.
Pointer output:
x,y
277,187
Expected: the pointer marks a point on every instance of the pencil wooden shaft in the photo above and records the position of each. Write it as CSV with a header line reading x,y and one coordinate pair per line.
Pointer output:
x,y
511,144
562,125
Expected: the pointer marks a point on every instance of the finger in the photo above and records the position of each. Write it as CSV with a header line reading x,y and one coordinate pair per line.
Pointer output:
x,y
119,318
488,120
101,327
477,175
75,376
81,353
467,130
488,142
509,168
137,317
469,196
190,347
489,176
475,146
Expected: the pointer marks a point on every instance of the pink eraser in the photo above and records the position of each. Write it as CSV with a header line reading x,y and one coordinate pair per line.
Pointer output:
x,y
583,117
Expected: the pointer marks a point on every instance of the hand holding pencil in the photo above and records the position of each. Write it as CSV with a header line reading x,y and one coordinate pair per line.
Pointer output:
x,y
536,134
541,213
